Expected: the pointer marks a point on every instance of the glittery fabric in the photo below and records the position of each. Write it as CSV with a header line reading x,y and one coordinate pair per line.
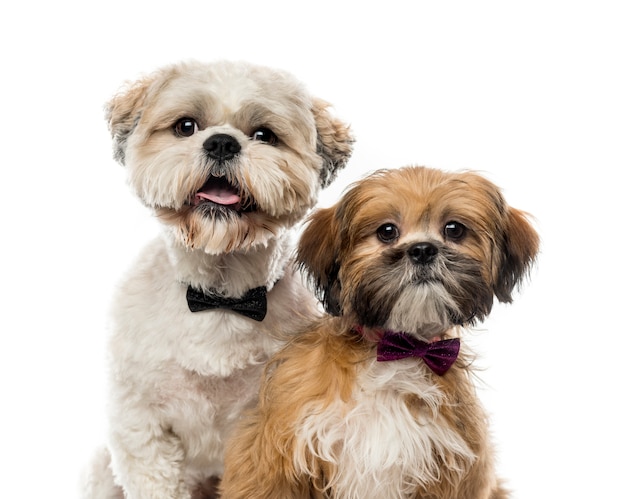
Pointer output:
x,y
252,305
438,355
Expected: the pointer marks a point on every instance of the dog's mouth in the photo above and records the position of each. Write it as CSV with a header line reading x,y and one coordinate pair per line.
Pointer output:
x,y
219,192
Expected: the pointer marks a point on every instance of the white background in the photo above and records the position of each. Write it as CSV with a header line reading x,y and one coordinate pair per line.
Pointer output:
x,y
531,93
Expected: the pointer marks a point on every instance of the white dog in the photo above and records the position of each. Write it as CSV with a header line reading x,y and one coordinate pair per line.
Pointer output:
x,y
229,156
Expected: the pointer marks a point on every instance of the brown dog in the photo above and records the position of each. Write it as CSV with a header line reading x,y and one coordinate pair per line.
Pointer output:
x,y
371,401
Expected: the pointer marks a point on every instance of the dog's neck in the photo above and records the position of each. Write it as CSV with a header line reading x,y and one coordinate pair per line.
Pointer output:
x,y
231,274
374,334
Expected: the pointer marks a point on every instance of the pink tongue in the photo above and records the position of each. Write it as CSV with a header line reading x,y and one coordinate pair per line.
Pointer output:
x,y
219,195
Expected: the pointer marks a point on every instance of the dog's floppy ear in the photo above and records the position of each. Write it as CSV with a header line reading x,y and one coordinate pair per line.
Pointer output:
x,y
520,246
318,256
122,113
334,141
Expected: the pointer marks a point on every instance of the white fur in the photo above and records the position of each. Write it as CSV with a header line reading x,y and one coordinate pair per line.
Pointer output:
x,y
179,380
375,442
422,308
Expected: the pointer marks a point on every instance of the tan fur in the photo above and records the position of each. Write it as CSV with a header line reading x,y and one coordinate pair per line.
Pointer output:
x,y
299,374
322,393
321,366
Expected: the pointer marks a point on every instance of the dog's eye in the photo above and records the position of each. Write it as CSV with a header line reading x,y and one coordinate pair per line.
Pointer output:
x,y
265,135
454,231
185,127
388,233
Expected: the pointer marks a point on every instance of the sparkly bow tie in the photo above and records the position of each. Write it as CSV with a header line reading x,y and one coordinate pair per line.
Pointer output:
x,y
253,304
438,355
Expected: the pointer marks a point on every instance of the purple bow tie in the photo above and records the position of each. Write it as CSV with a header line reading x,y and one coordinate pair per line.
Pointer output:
x,y
438,355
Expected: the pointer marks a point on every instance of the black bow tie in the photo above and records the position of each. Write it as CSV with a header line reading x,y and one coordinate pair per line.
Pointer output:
x,y
253,304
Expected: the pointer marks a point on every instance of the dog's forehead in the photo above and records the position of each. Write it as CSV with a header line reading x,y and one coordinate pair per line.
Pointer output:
x,y
226,88
201,89
418,198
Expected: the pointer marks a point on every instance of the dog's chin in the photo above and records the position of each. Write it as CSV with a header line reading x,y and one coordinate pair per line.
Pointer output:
x,y
214,210
221,227
426,310
219,218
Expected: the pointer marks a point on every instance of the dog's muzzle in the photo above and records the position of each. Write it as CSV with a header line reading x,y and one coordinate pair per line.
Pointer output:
x,y
221,193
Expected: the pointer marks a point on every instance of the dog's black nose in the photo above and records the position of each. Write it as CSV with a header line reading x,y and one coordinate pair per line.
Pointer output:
x,y
423,252
221,147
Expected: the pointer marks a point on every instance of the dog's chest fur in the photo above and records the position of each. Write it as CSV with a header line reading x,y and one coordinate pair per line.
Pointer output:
x,y
190,374
390,438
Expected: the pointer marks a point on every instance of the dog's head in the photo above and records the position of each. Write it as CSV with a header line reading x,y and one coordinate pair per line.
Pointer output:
x,y
417,250
227,154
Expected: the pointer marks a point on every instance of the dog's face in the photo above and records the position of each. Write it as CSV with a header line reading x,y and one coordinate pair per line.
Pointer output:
x,y
227,154
417,250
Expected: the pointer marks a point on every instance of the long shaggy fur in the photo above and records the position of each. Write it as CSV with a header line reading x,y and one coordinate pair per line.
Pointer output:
x,y
334,422
179,380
